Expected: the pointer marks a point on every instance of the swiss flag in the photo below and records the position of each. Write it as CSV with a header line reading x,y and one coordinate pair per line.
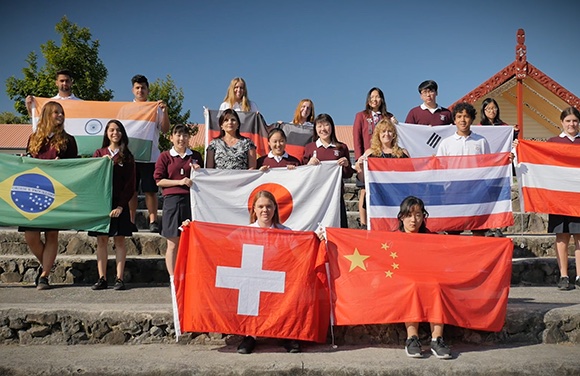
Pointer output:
x,y
251,281
389,277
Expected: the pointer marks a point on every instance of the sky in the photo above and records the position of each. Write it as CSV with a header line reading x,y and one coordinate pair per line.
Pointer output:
x,y
330,51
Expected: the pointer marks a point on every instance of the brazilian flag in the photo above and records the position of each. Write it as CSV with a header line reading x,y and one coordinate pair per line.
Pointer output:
x,y
60,194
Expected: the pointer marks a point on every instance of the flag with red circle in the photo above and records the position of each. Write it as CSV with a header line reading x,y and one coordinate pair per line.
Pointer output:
x,y
306,196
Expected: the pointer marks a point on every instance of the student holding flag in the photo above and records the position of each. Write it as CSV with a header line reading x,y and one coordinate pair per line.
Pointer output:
x,y
384,144
304,113
429,112
464,142
172,174
265,214
326,147
363,128
116,147
237,97
277,157
230,150
567,226
49,141
412,217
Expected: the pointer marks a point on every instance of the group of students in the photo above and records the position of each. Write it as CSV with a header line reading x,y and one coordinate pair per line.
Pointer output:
x,y
375,136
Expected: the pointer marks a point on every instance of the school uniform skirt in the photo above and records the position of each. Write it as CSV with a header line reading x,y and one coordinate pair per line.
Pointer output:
x,y
176,209
563,224
119,226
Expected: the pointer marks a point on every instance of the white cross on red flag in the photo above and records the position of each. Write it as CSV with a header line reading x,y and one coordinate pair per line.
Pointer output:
x,y
251,281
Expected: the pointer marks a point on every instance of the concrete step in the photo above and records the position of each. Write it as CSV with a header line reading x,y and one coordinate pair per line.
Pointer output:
x,y
142,315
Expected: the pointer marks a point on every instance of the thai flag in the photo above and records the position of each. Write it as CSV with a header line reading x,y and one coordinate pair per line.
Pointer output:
x,y
549,176
460,193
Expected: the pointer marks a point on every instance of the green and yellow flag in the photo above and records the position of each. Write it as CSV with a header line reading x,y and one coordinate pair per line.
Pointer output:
x,y
61,194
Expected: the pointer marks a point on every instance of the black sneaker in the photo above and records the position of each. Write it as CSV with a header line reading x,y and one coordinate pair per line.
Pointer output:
x,y
413,347
100,285
154,227
38,276
564,284
119,284
43,283
440,349
134,228
292,346
577,283
247,345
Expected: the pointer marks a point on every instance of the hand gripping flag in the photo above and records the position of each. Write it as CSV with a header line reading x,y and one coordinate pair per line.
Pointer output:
x,y
254,127
61,194
306,196
86,121
380,277
549,177
460,193
423,141
251,281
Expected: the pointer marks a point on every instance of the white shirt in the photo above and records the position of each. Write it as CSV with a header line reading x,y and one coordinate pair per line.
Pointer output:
x,y
174,152
459,145
320,144
563,134
431,110
277,158
72,97
238,106
279,226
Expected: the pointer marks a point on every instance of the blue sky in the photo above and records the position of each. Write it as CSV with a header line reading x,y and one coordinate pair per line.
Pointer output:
x,y
330,51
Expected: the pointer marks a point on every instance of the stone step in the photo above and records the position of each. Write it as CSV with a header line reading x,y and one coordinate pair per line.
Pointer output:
x,y
146,243
82,270
143,315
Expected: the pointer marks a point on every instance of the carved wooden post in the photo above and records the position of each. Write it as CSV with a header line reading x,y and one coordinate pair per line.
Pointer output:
x,y
521,73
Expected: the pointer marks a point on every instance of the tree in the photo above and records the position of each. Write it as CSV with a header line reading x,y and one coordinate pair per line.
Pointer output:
x,y
166,91
10,118
77,53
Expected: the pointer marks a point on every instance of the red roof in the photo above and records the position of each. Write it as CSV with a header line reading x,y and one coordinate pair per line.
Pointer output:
x,y
14,136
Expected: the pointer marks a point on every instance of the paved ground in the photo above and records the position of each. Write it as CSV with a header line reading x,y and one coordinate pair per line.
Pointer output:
x,y
269,358
144,297
557,360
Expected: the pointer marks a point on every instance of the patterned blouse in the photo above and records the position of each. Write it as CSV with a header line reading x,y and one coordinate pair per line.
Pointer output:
x,y
231,158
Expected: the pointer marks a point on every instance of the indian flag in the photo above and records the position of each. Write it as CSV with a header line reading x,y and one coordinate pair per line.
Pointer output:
x,y
86,121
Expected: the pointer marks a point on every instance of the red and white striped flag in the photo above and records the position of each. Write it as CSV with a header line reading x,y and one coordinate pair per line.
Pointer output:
x,y
549,177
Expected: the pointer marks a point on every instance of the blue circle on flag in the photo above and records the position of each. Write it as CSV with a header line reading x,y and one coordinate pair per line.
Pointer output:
x,y
32,193
93,126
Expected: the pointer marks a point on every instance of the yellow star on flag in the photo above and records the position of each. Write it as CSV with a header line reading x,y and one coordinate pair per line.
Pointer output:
x,y
357,260
384,246
395,266
394,255
389,274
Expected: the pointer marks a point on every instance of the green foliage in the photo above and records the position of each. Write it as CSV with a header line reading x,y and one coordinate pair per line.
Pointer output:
x,y
77,53
166,91
11,118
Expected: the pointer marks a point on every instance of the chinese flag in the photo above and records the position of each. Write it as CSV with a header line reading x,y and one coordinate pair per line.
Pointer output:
x,y
251,281
388,277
